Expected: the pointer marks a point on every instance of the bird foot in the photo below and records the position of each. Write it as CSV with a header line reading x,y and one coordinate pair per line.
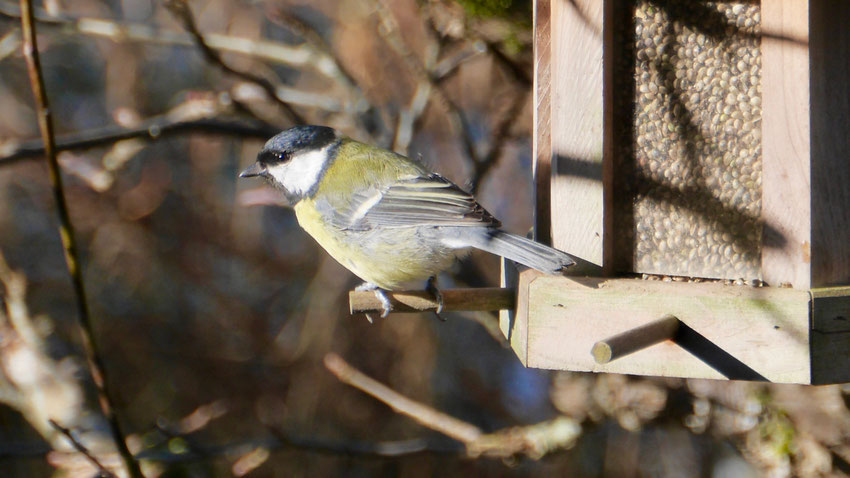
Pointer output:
x,y
386,305
431,287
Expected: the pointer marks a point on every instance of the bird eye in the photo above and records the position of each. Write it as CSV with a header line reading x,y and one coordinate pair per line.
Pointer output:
x,y
282,156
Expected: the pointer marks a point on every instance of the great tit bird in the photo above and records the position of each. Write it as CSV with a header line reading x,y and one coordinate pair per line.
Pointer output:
x,y
385,217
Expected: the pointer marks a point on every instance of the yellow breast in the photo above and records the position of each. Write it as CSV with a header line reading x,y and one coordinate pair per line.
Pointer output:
x,y
387,259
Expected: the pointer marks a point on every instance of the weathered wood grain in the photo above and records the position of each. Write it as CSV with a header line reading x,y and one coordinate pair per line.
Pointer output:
x,y
541,118
514,329
830,342
806,176
786,178
829,87
576,127
764,331
632,340
484,298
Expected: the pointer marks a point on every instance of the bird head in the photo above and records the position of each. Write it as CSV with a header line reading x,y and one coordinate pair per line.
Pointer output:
x,y
296,159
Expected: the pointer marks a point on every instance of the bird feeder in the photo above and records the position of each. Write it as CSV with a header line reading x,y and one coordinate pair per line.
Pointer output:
x,y
697,156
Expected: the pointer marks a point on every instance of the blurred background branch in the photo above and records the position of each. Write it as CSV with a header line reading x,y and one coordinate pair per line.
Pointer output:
x,y
216,311
102,471
150,129
181,10
69,241
534,441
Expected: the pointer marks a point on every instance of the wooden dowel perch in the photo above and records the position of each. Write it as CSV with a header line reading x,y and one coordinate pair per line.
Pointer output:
x,y
635,339
486,298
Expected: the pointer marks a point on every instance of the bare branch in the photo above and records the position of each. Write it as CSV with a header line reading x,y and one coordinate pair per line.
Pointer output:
x,y
66,230
407,118
398,448
299,56
500,137
459,430
389,30
360,103
181,10
518,73
446,67
154,128
280,16
473,299
533,441
82,449
435,77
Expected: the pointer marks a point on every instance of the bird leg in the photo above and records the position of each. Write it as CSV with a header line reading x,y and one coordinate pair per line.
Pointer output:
x,y
382,297
431,287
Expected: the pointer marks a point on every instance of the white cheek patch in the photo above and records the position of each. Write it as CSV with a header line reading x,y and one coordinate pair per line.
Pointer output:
x,y
301,173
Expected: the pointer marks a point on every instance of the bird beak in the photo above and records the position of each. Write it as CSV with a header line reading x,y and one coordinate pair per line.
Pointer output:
x,y
253,170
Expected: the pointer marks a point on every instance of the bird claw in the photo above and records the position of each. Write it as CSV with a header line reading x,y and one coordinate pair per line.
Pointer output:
x,y
431,287
385,302
386,305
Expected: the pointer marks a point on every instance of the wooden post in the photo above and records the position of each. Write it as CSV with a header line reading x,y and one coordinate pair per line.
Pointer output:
x,y
486,298
542,144
576,127
830,336
635,339
805,141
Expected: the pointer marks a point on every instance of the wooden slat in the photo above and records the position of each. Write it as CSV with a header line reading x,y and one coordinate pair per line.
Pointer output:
x,y
616,15
830,129
786,209
831,335
806,175
512,323
576,127
733,331
541,143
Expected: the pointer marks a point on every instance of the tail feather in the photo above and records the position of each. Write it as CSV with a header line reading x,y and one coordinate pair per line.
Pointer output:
x,y
516,248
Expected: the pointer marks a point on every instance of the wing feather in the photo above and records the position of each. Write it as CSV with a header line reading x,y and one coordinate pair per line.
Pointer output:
x,y
425,200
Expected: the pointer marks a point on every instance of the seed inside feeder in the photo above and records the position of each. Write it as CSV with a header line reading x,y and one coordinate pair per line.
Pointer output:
x,y
689,104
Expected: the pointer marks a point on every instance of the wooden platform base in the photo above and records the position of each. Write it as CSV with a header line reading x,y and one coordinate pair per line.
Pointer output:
x,y
725,331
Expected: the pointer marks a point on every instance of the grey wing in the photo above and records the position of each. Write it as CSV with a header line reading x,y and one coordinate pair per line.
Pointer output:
x,y
425,200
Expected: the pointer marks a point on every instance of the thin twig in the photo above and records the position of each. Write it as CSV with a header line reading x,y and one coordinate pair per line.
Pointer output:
x,y
283,438
533,441
389,30
66,230
519,74
359,103
382,449
500,137
481,165
447,67
181,9
82,449
279,15
279,439
152,129
407,118
299,56
450,426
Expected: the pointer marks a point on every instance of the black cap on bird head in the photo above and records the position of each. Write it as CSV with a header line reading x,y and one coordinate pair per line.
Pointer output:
x,y
281,147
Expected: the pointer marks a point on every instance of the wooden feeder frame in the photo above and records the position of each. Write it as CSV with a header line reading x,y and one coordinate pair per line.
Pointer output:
x,y
796,333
